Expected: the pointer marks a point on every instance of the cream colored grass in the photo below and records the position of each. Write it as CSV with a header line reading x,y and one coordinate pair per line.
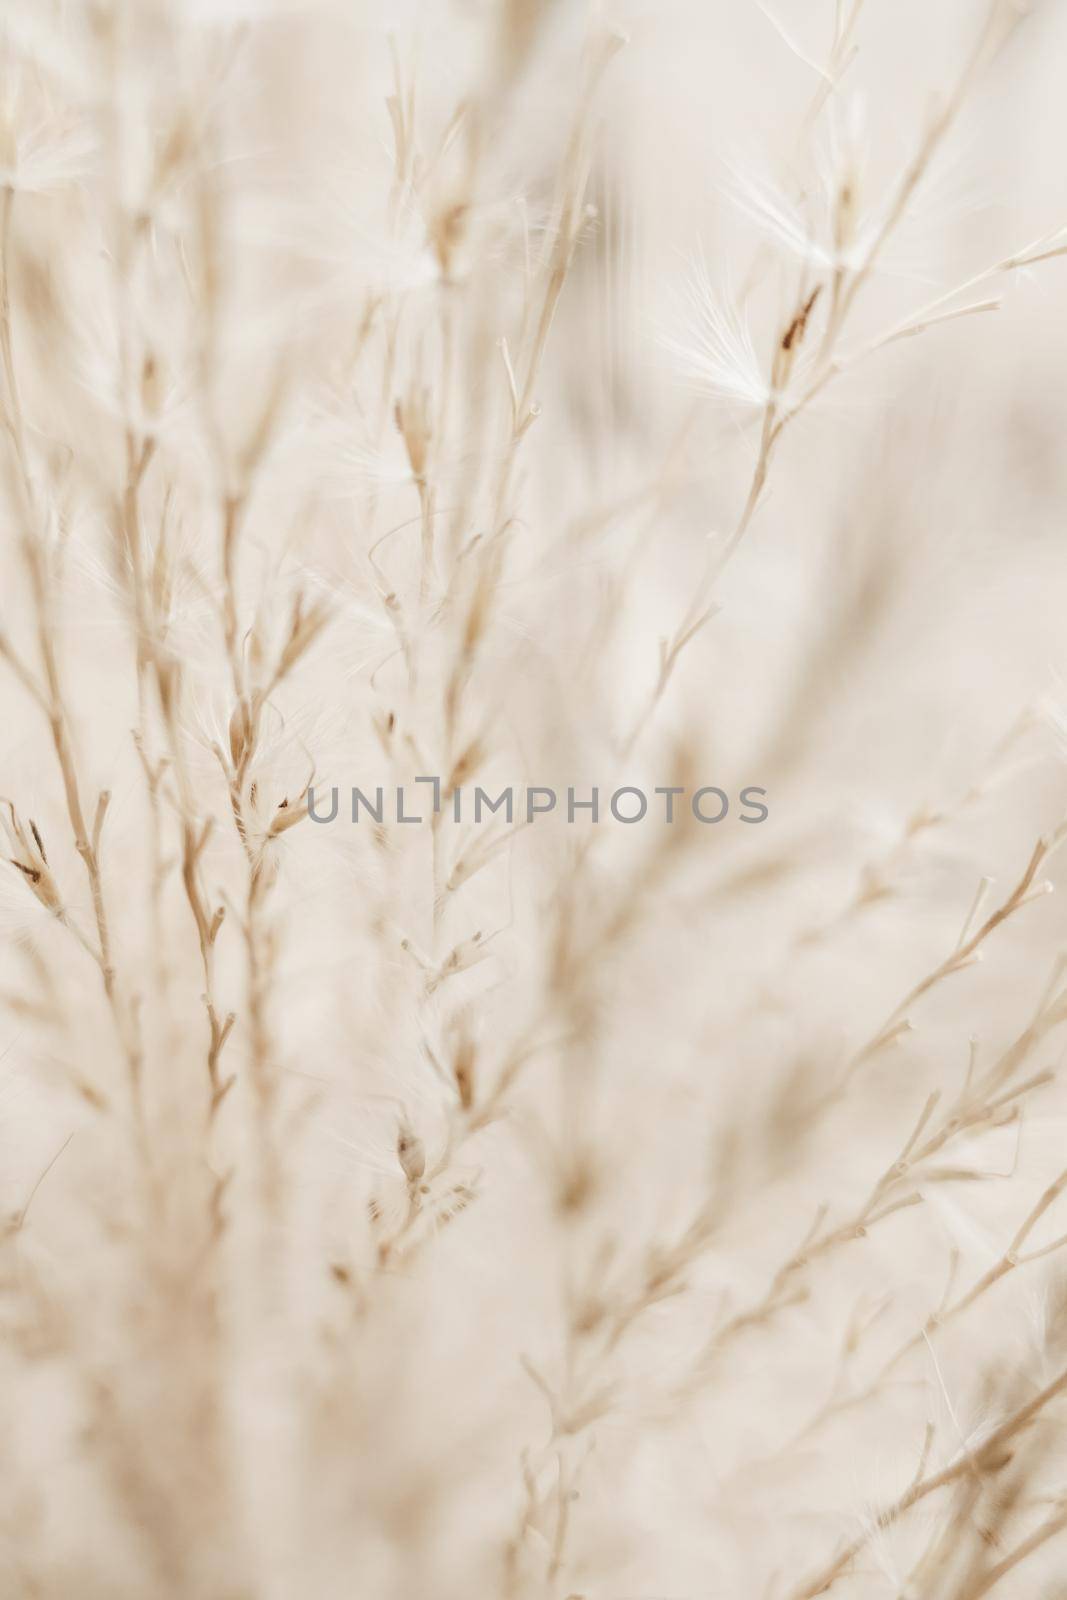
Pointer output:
x,y
532,394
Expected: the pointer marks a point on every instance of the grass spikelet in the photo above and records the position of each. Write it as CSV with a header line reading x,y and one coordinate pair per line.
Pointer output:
x,y
533,993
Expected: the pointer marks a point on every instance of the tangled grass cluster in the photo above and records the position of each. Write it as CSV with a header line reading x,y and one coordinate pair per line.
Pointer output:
x,y
524,391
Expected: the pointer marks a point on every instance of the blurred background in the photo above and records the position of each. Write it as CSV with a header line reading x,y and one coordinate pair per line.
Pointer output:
x,y
559,1233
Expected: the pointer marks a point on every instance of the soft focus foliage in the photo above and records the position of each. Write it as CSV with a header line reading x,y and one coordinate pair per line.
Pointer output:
x,y
532,393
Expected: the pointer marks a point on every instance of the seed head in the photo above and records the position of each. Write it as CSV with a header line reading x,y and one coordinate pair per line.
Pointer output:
x,y
410,1153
